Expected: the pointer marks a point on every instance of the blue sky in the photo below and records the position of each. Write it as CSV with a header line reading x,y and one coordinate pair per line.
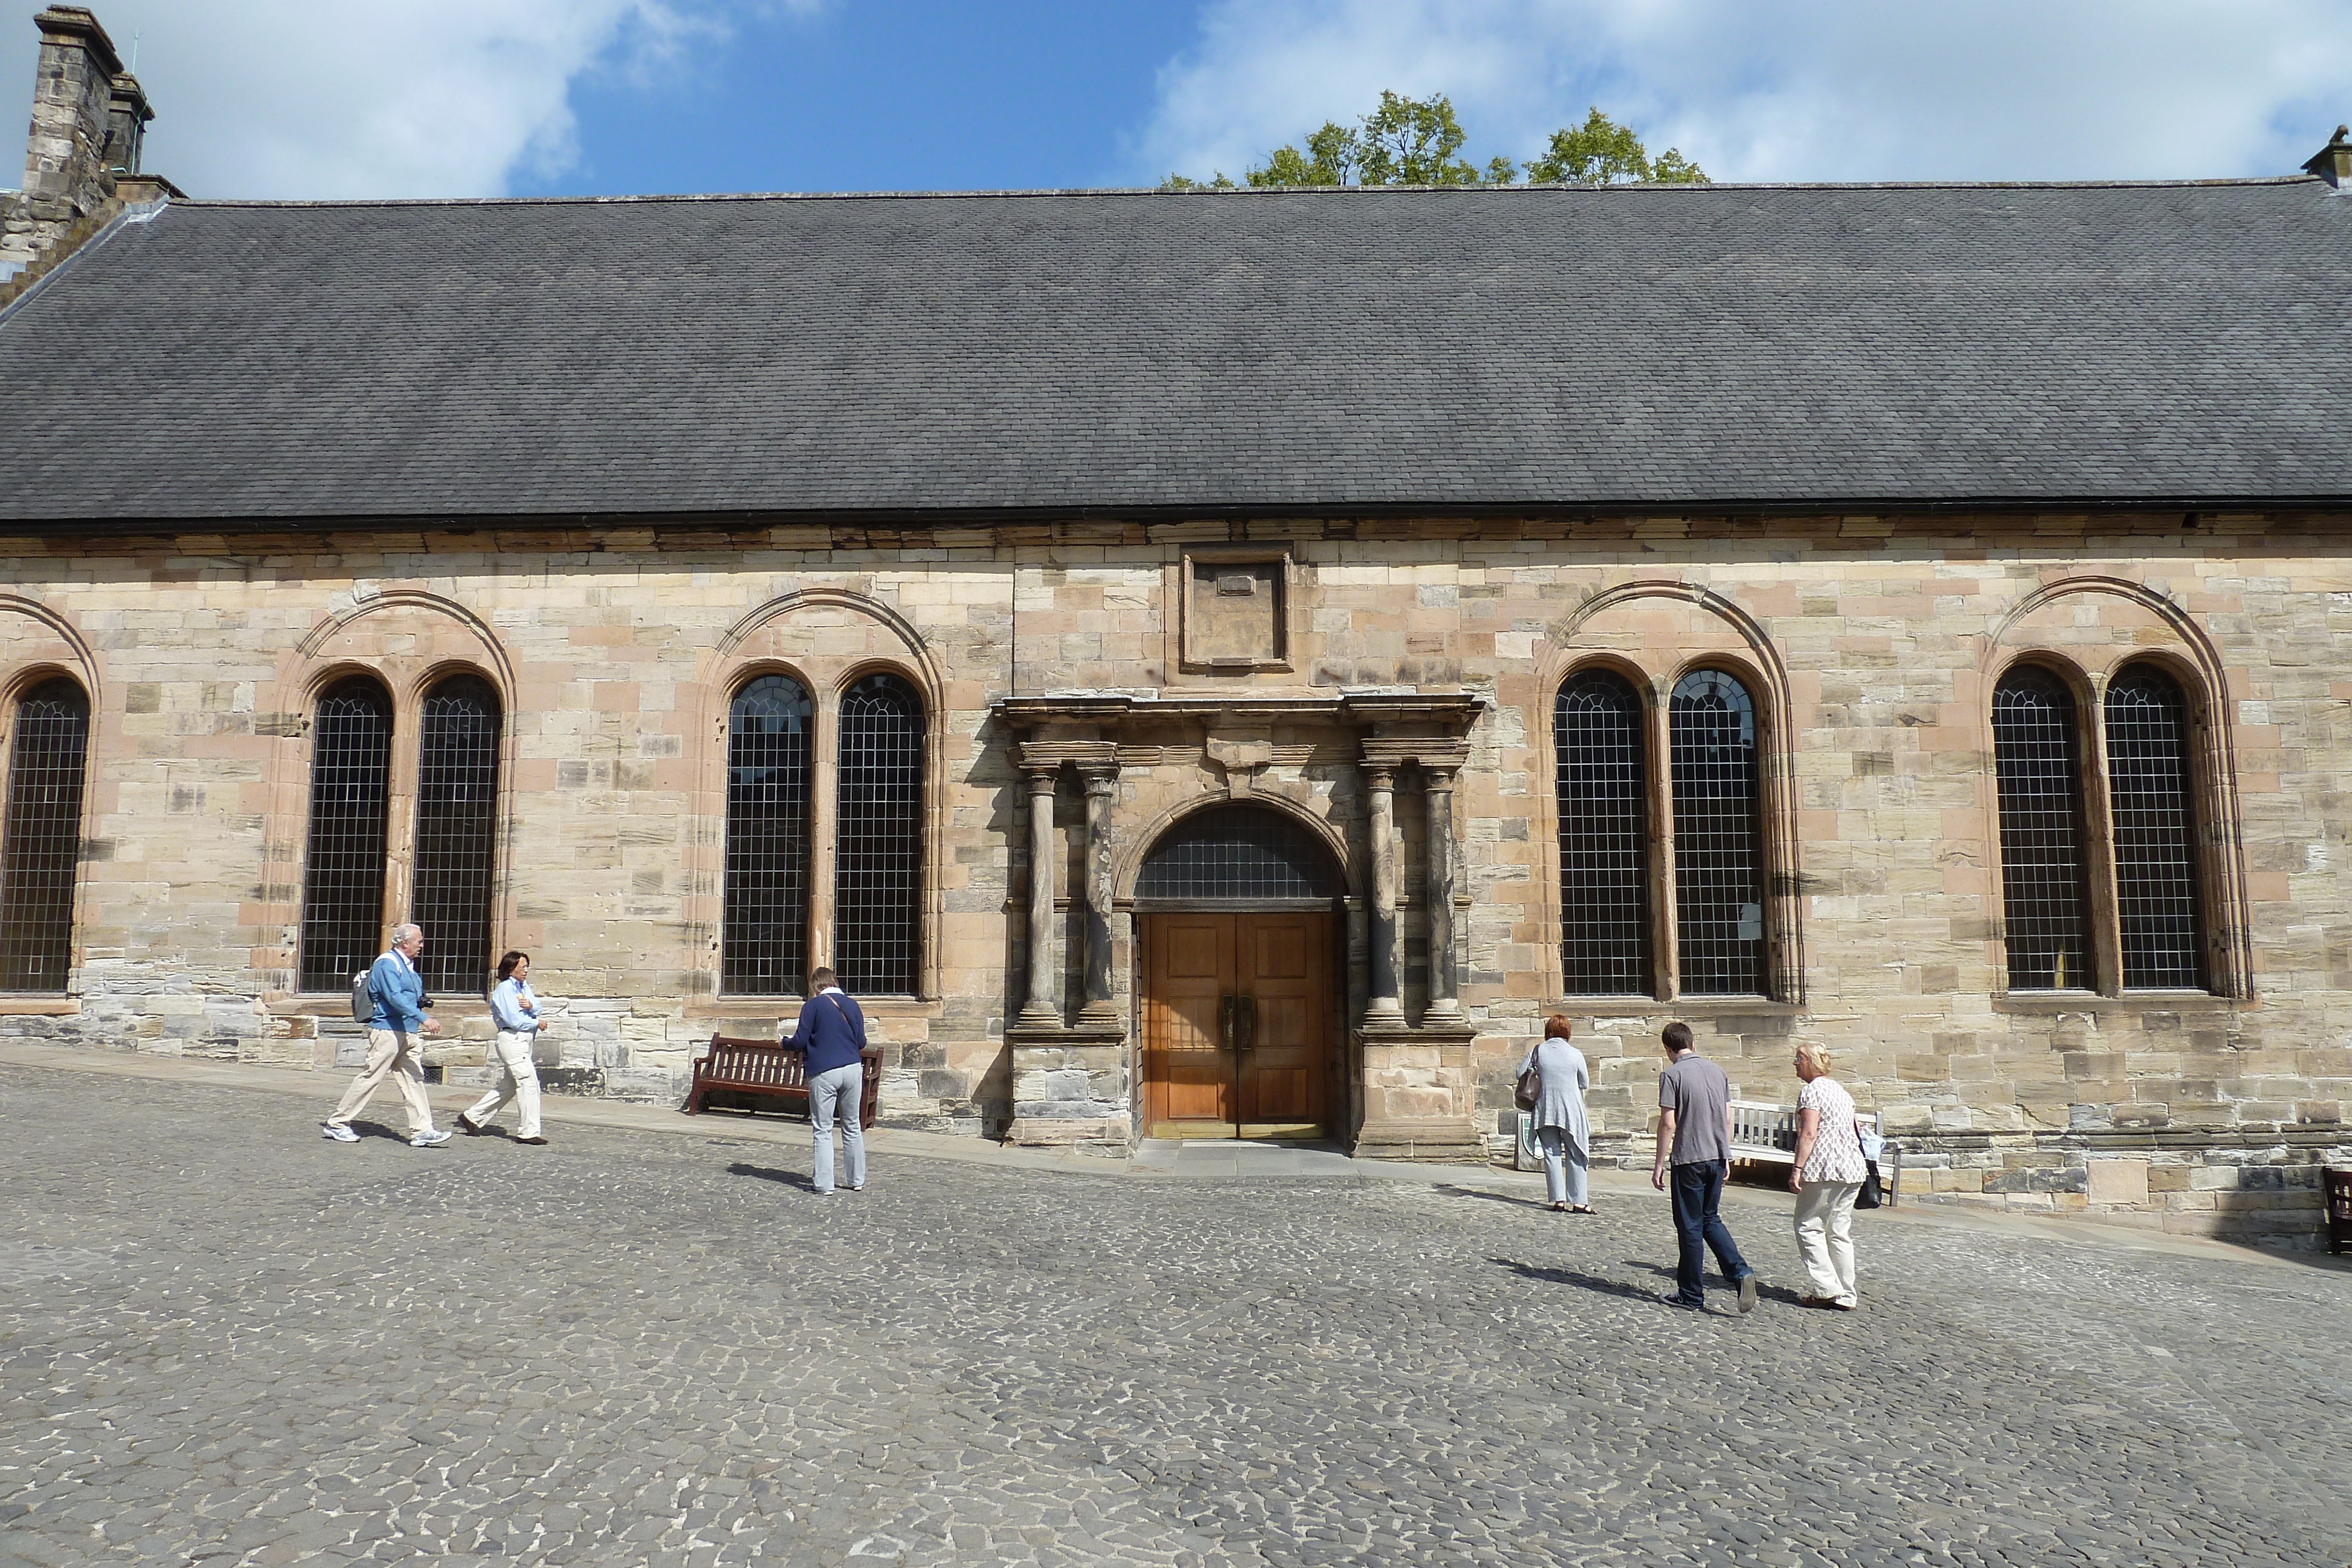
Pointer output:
x,y
320,98
910,95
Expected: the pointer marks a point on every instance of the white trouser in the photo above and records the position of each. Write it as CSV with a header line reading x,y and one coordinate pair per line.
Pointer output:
x,y
1825,1238
393,1053
1564,1167
518,1081
839,1091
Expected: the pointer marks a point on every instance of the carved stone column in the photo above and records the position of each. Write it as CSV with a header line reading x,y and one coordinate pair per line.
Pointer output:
x,y
1444,968
1102,792
1041,1005
1387,937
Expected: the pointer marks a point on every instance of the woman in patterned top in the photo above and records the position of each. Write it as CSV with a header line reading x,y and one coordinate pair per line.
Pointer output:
x,y
1826,1178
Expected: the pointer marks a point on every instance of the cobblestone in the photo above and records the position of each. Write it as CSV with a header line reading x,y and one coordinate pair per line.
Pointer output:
x,y
226,1341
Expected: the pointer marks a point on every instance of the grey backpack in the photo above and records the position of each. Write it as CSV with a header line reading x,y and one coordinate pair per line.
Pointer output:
x,y
362,999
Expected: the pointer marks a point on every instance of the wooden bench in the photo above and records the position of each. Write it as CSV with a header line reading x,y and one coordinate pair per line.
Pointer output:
x,y
768,1068
1768,1135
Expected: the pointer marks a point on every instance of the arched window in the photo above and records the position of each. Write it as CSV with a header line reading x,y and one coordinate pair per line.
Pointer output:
x,y
2038,772
457,831
1604,836
41,848
764,924
2158,907
878,857
1247,855
342,884
1719,841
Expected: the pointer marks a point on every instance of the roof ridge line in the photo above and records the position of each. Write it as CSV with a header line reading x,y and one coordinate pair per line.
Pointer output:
x,y
1324,191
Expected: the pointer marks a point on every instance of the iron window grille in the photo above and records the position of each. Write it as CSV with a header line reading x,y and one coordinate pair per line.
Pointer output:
x,y
763,922
879,843
1237,854
342,884
1604,860
457,831
41,849
2153,808
2037,770
1718,838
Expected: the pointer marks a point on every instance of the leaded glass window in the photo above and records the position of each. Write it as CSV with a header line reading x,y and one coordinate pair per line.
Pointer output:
x,y
763,925
40,847
342,884
878,842
1719,841
1237,854
457,831
1604,863
2154,812
2038,772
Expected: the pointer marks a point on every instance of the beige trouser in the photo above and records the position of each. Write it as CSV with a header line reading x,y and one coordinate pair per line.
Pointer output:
x,y
1825,1238
518,1081
394,1052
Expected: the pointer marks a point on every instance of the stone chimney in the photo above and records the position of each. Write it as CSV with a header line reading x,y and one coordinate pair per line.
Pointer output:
x,y
2333,162
89,121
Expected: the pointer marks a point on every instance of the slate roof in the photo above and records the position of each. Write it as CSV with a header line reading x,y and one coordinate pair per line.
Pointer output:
x,y
1141,352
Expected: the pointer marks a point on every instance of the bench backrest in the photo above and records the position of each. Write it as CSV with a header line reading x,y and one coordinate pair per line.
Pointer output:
x,y
760,1062
1755,1125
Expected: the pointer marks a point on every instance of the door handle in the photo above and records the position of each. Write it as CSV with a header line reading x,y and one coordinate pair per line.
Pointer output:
x,y
1246,1017
1227,1034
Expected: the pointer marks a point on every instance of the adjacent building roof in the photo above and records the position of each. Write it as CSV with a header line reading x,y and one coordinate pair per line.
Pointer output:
x,y
1104,353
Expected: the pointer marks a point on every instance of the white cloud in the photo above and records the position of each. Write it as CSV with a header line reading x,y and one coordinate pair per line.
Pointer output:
x,y
1849,89
318,98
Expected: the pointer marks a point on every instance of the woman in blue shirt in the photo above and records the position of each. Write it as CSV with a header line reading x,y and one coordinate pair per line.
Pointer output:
x,y
515,1010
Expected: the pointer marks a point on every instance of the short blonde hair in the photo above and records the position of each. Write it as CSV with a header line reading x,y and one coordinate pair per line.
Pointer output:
x,y
1816,1057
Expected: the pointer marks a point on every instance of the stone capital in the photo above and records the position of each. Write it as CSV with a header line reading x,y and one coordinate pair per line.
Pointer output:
x,y
1051,754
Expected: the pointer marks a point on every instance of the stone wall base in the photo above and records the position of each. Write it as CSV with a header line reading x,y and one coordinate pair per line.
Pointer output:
x,y
2260,1188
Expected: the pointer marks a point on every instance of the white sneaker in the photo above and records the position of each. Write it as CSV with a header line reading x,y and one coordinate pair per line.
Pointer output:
x,y
341,1134
428,1139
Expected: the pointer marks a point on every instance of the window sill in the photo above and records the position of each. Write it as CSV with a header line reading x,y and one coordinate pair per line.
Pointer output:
x,y
40,1007
2046,1003
1681,1006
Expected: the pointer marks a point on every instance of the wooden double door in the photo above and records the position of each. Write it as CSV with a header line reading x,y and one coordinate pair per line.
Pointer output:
x,y
1238,1033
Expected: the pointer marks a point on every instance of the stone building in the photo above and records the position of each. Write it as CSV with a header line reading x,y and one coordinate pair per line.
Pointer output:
x,y
1224,663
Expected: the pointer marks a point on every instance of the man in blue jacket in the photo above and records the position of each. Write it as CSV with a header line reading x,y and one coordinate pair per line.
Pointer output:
x,y
396,1039
832,1031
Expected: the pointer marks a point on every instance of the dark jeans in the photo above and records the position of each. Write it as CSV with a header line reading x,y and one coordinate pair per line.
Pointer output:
x,y
1697,1190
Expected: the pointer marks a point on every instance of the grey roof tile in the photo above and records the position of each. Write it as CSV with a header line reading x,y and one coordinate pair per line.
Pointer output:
x,y
1133,351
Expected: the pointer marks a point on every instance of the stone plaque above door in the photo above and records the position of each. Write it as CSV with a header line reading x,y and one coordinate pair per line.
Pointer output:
x,y
1236,612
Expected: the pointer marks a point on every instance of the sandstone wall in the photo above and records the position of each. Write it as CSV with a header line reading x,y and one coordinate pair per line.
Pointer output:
x,y
1878,637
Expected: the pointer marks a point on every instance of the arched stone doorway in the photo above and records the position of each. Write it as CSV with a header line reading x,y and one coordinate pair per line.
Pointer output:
x,y
1238,984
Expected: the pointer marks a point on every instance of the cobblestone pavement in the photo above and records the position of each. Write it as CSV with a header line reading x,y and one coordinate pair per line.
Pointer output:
x,y
224,1340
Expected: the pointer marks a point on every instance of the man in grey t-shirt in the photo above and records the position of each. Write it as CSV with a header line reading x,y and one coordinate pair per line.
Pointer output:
x,y
1695,1137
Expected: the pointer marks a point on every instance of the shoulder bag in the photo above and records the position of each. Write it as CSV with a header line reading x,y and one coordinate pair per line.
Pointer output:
x,y
1529,1090
1872,1195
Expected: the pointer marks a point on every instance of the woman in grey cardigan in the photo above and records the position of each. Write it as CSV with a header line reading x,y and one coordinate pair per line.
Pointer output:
x,y
1559,1116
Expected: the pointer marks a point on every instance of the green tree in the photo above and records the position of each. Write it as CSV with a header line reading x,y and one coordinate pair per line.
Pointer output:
x,y
1418,142
1602,153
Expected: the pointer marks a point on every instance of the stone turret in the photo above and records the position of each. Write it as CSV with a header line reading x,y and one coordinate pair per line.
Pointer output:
x,y
81,157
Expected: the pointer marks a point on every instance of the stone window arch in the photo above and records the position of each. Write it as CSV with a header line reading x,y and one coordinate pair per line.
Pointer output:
x,y
1673,800
2155,793
41,833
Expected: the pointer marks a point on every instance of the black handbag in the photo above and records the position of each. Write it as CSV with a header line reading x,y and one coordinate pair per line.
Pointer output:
x,y
1872,1195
